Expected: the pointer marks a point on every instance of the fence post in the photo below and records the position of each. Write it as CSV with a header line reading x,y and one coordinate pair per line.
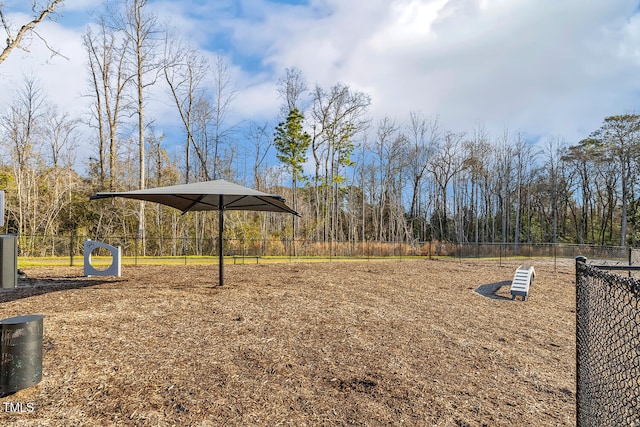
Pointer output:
x,y
184,246
579,259
71,248
135,244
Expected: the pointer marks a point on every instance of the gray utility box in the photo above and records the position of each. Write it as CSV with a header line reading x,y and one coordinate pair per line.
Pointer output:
x,y
9,260
21,348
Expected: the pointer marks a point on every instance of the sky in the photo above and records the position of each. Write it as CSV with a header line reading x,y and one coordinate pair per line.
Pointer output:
x,y
545,68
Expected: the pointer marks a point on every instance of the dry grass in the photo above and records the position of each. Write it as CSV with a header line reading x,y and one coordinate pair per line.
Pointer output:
x,y
364,343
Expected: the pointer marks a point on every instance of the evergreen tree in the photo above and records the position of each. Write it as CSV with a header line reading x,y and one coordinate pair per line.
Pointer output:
x,y
292,143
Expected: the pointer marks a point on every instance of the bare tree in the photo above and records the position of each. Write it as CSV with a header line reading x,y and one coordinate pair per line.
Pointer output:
x,y
553,179
478,149
16,39
423,137
38,140
584,158
290,88
503,183
621,136
337,117
161,171
60,137
202,118
208,110
22,126
185,70
261,143
60,132
392,154
142,30
446,163
607,179
106,54
225,93
524,161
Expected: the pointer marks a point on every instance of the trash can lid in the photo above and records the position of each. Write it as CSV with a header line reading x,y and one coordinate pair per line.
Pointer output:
x,y
21,319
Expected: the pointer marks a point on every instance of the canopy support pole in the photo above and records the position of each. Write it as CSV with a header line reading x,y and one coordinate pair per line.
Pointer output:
x,y
221,228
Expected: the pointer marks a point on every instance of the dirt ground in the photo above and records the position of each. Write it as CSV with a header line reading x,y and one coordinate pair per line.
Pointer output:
x,y
404,342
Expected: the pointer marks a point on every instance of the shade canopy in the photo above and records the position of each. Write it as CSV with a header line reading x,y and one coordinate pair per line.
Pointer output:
x,y
207,196
218,195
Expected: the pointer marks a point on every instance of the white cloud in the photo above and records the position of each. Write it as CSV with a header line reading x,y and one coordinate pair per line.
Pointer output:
x,y
80,5
541,67
61,77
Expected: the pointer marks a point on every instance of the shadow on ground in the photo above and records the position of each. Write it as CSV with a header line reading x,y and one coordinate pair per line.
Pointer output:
x,y
489,290
32,287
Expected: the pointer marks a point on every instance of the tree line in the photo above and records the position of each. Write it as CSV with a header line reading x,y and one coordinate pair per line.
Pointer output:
x,y
352,178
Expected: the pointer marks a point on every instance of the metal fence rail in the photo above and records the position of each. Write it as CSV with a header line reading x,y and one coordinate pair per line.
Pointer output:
x,y
607,346
133,246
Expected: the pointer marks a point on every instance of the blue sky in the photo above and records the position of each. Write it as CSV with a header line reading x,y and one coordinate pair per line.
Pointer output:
x,y
542,67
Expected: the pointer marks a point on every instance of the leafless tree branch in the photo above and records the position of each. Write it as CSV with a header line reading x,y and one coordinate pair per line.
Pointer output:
x,y
28,28
54,52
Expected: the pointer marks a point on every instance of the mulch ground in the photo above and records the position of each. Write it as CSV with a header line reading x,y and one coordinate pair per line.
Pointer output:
x,y
416,343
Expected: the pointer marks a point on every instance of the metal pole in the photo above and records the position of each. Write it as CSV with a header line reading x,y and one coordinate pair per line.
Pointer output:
x,y
184,246
221,227
71,248
579,259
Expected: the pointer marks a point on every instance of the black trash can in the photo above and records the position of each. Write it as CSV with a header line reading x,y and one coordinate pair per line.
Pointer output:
x,y
21,353
9,260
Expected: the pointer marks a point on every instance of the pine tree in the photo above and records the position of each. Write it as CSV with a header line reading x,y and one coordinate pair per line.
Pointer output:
x,y
292,143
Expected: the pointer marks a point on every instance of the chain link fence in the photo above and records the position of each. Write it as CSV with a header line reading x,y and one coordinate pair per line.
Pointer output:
x,y
134,248
541,250
607,345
